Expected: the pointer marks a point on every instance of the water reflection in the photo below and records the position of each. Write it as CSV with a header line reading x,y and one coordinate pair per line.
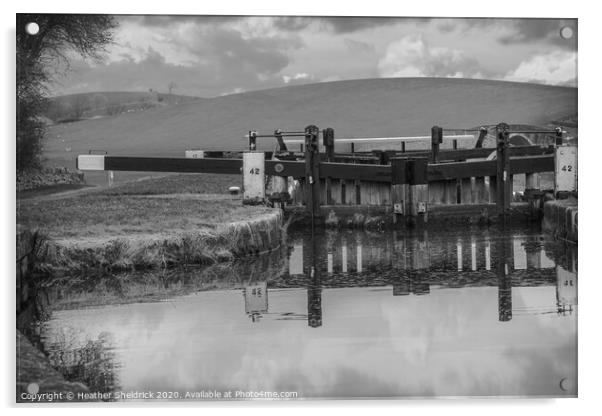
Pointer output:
x,y
352,314
256,300
411,264
79,358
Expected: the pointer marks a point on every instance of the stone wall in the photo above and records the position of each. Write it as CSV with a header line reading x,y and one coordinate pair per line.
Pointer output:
x,y
560,218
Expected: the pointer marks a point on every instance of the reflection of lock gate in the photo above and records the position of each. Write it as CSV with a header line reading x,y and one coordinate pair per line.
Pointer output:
x,y
408,182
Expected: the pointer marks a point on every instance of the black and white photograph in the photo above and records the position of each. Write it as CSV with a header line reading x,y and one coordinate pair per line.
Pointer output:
x,y
269,207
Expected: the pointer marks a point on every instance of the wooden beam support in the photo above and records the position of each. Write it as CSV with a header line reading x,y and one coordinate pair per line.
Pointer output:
x,y
504,183
164,164
436,140
312,171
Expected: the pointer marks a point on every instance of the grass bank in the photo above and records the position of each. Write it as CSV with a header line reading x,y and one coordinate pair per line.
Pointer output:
x,y
132,229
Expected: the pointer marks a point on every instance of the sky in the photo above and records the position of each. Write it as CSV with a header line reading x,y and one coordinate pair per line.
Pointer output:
x,y
209,56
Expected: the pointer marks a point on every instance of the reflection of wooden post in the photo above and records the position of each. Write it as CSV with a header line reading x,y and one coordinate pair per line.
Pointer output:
x,y
401,286
459,255
504,282
473,254
533,250
344,256
330,249
314,290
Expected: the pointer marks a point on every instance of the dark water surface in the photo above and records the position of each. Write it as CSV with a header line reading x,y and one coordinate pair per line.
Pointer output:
x,y
347,314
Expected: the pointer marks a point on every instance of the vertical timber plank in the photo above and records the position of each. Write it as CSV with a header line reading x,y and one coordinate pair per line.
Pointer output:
x,y
437,193
493,189
466,196
335,192
364,195
350,193
481,195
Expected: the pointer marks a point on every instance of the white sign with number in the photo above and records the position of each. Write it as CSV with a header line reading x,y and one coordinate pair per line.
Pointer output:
x,y
565,171
253,173
256,298
194,154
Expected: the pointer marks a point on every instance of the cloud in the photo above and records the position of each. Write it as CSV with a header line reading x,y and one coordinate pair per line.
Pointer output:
x,y
162,21
358,46
514,31
555,68
530,30
411,56
299,78
205,60
340,25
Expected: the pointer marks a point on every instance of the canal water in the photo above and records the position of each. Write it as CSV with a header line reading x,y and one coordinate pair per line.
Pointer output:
x,y
335,314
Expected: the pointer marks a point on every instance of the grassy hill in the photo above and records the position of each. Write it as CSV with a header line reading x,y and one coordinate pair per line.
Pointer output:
x,y
357,108
98,104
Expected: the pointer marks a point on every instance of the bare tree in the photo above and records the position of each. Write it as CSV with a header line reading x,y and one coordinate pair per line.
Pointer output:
x,y
37,54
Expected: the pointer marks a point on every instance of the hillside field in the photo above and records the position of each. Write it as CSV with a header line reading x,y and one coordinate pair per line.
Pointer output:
x,y
357,108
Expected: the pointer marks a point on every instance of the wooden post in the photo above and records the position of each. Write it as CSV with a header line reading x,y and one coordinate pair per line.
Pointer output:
x,y
278,193
504,184
328,141
399,189
533,194
558,138
280,140
312,171
504,283
418,190
436,139
252,140
481,139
